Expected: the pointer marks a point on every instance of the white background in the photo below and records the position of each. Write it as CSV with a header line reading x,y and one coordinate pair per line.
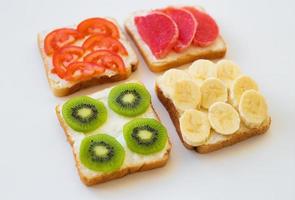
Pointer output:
x,y
36,162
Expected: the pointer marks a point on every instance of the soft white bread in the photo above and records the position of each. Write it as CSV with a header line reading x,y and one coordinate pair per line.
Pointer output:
x,y
133,162
215,141
213,105
61,87
214,51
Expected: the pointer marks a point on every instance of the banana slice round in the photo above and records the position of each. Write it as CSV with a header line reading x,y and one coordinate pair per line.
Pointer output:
x,y
195,127
239,86
227,71
186,94
213,90
169,78
253,109
223,118
202,69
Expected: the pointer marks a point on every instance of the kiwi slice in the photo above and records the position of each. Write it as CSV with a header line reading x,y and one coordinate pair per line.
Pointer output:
x,y
102,153
84,114
145,135
129,99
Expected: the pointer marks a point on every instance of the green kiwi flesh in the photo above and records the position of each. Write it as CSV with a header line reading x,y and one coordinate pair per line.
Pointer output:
x,y
84,114
129,99
101,152
145,136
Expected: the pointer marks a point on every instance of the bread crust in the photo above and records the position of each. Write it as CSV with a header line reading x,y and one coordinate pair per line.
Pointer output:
x,y
181,60
239,136
89,181
64,91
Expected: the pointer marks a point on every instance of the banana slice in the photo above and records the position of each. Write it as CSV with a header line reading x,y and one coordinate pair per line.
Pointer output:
x,y
239,86
213,90
169,78
223,118
227,71
186,94
202,69
195,127
253,109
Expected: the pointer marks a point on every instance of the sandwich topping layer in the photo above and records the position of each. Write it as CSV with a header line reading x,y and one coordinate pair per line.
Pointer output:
x,y
175,29
158,31
213,95
131,140
172,56
70,59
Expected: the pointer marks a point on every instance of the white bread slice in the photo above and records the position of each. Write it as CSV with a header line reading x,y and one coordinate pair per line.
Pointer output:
x,y
214,51
61,87
216,141
133,162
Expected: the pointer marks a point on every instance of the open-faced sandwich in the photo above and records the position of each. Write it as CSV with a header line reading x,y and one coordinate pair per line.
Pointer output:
x,y
114,132
93,52
174,36
213,105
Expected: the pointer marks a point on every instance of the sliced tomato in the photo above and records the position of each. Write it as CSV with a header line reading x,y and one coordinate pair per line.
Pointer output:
x,y
97,42
107,59
65,56
100,26
60,38
79,71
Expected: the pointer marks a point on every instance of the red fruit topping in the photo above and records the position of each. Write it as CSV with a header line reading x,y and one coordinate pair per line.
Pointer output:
x,y
187,26
207,30
158,31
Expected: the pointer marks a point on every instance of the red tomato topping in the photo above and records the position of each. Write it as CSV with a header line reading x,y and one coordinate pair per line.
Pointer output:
x,y
107,59
60,38
100,26
65,56
78,71
97,42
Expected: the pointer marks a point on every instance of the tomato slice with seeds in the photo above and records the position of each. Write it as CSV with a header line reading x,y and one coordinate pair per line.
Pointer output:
x,y
97,42
107,59
65,56
98,26
80,71
60,38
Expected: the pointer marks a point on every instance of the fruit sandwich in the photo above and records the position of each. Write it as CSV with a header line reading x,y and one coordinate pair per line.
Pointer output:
x,y
114,132
213,105
173,36
94,52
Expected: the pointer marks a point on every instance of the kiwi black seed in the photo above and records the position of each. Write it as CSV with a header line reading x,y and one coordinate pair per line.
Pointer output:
x,y
145,135
84,114
129,99
101,152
